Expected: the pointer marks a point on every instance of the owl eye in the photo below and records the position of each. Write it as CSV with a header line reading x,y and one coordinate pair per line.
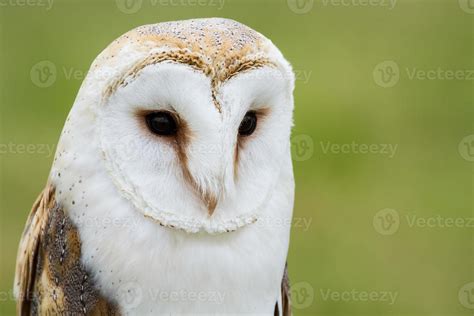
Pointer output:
x,y
161,123
248,124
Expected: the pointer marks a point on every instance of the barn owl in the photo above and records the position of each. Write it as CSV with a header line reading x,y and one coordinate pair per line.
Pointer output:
x,y
171,191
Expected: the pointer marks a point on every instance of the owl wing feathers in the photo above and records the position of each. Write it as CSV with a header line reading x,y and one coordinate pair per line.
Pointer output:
x,y
49,278
285,296
27,258
285,293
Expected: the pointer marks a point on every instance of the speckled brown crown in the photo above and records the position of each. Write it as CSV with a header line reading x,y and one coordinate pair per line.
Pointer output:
x,y
218,47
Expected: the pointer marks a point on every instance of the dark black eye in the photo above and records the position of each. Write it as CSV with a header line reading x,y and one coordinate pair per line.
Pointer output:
x,y
248,124
161,123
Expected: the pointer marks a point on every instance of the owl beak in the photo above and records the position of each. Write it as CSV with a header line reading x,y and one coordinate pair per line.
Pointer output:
x,y
204,171
209,198
211,203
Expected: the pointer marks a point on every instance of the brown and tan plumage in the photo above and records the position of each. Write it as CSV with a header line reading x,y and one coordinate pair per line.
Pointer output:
x,y
50,279
285,296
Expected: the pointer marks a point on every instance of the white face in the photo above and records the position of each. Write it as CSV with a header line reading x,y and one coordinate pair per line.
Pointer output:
x,y
207,172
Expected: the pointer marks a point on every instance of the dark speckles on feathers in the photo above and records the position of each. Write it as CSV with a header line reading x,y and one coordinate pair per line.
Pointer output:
x,y
215,41
59,282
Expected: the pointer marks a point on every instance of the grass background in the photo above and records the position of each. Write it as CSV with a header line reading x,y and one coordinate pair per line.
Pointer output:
x,y
335,49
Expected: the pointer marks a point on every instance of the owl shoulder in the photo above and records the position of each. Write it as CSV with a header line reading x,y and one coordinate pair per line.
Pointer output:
x,y
50,278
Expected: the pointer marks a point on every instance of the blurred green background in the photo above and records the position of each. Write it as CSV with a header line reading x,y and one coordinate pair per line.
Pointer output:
x,y
373,231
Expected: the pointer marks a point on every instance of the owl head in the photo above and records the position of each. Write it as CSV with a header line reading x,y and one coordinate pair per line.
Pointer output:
x,y
187,123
